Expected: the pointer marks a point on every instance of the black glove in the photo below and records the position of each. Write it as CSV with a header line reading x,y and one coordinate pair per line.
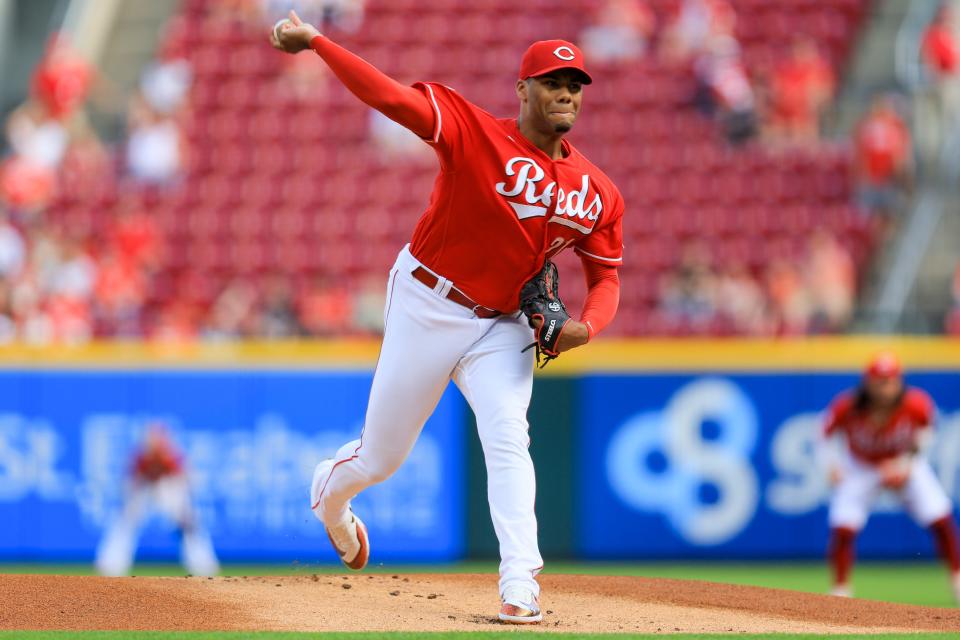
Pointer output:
x,y
539,300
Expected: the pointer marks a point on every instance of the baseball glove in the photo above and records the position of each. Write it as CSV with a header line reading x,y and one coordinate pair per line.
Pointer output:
x,y
539,300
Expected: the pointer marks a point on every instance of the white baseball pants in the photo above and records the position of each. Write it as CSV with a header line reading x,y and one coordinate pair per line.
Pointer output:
x,y
170,497
860,484
427,341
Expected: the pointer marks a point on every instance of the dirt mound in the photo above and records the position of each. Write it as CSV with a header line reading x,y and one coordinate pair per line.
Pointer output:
x,y
438,603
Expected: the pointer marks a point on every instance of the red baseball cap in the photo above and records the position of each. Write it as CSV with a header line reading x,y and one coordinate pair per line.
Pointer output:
x,y
884,365
549,55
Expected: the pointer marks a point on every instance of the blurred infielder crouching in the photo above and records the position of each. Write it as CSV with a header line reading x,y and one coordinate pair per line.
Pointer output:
x,y
876,437
159,484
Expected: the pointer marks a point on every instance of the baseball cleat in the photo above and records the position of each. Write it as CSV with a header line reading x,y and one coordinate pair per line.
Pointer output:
x,y
349,536
841,591
520,606
350,540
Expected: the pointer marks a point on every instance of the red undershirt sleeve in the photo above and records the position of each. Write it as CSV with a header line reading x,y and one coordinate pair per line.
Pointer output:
x,y
405,105
603,295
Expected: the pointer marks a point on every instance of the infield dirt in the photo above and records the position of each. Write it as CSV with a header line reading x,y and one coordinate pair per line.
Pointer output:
x,y
433,602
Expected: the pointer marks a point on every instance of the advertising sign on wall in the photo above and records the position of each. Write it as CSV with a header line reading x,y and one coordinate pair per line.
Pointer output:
x,y
251,441
725,466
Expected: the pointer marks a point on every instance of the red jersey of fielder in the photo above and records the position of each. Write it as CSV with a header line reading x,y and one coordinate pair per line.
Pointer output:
x,y
500,204
156,462
873,443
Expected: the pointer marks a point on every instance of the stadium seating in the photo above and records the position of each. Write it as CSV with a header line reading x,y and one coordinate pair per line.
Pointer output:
x,y
277,183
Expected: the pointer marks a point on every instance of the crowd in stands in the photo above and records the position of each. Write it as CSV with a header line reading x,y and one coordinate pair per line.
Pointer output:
x,y
781,100
71,280
77,276
814,296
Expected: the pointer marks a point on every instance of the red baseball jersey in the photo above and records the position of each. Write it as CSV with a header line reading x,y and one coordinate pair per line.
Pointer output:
x,y
874,443
501,205
156,463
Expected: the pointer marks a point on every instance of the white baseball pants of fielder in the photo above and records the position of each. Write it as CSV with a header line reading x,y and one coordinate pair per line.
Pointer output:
x,y
170,497
860,484
427,341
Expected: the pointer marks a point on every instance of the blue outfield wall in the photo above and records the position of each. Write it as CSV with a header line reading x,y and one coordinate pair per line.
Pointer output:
x,y
251,440
723,466
703,451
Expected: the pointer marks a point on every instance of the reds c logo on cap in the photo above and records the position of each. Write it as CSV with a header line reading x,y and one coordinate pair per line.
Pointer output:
x,y
550,55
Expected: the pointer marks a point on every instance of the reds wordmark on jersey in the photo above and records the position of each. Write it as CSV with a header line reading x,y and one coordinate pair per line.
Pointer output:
x,y
500,205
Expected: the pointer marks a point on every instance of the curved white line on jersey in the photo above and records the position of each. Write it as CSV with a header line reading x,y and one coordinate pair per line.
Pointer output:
x,y
567,222
579,250
436,109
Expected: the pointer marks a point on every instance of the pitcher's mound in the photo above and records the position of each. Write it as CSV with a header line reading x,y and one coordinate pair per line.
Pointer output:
x,y
437,602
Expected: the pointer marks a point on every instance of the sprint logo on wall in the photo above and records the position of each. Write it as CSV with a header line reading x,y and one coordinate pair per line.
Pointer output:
x,y
726,466
707,488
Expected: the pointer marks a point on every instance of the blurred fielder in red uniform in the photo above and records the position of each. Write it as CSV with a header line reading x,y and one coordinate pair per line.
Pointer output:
x,y
158,482
880,431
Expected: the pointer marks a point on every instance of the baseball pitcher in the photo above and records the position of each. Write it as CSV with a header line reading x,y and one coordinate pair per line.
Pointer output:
x,y
474,295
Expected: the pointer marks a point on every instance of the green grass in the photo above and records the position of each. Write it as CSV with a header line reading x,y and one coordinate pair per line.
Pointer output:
x,y
464,635
921,583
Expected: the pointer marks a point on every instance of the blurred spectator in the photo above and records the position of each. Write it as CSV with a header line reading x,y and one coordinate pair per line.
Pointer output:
x,y
695,23
342,15
135,237
278,318
38,143
687,295
156,149
232,314
120,293
723,89
620,32
76,273
62,80
175,323
8,326
741,301
70,319
883,157
36,135
801,87
164,85
937,103
12,248
790,302
831,282
325,309
40,131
